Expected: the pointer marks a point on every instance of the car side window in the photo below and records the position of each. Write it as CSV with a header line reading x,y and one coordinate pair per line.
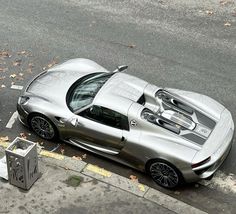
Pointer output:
x,y
106,116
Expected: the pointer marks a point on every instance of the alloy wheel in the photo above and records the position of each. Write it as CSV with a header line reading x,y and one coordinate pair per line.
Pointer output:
x,y
42,127
164,175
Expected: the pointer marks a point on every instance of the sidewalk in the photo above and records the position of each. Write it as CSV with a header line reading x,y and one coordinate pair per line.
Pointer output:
x,y
91,190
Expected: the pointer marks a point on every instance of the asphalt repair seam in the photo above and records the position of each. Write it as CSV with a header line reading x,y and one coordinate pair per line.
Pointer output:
x,y
117,181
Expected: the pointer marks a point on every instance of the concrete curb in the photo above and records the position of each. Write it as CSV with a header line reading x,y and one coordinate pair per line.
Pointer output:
x,y
116,180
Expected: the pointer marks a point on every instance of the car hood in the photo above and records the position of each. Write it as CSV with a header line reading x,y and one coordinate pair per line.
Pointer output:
x,y
54,84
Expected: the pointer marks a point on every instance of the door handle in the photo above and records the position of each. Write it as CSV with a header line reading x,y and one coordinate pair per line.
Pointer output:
x,y
122,139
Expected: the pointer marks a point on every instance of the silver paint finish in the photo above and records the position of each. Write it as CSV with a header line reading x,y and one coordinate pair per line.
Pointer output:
x,y
144,141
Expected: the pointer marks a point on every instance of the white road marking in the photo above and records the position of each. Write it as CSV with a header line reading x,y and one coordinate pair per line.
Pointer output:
x,y
17,87
12,120
221,182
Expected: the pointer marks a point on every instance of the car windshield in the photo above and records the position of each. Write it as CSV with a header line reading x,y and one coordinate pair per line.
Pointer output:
x,y
84,91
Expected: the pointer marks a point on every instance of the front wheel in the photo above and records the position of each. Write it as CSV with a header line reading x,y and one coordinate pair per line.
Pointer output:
x,y
43,127
165,174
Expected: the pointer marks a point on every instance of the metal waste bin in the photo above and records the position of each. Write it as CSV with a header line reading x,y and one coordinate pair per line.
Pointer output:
x,y
22,163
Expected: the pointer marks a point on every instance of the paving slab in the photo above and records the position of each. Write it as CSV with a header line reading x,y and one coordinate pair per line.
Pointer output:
x,y
52,193
115,180
171,203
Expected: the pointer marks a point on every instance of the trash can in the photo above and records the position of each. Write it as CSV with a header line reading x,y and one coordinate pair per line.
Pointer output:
x,y
22,163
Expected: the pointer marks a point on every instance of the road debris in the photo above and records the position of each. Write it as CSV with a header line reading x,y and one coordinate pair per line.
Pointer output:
x,y
227,24
133,178
17,62
77,158
62,151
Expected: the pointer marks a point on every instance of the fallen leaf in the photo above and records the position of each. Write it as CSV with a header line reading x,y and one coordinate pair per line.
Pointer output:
x,y
227,24
84,156
21,74
13,76
209,12
51,64
31,65
225,2
17,62
29,70
21,52
4,139
5,54
3,69
3,86
131,46
62,151
23,135
77,157
133,178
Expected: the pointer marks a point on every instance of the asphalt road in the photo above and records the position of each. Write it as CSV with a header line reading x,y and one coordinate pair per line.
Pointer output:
x,y
179,44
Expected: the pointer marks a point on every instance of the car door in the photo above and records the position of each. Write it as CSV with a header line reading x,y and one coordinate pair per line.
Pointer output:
x,y
102,129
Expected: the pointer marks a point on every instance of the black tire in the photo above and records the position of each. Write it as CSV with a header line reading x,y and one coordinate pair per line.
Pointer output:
x,y
164,174
43,127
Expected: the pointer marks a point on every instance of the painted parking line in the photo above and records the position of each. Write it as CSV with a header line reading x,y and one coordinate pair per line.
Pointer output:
x,y
52,155
17,87
12,120
98,170
221,182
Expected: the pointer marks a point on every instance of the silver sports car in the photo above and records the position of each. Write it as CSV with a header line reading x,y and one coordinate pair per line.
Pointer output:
x,y
173,135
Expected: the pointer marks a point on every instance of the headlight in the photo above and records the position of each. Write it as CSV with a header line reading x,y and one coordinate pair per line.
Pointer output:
x,y
23,100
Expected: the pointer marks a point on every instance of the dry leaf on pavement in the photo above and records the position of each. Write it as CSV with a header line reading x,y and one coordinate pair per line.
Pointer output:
x,y
4,139
62,151
77,157
133,178
3,86
84,156
23,135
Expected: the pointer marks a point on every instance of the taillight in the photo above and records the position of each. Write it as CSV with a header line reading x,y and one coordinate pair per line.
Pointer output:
x,y
194,165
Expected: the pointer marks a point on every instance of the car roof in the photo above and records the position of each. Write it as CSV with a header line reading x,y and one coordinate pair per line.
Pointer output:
x,y
119,92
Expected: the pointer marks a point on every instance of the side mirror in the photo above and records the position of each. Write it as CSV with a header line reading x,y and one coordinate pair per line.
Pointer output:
x,y
121,68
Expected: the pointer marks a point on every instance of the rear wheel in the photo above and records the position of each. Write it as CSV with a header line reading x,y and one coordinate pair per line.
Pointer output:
x,y
43,127
165,174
